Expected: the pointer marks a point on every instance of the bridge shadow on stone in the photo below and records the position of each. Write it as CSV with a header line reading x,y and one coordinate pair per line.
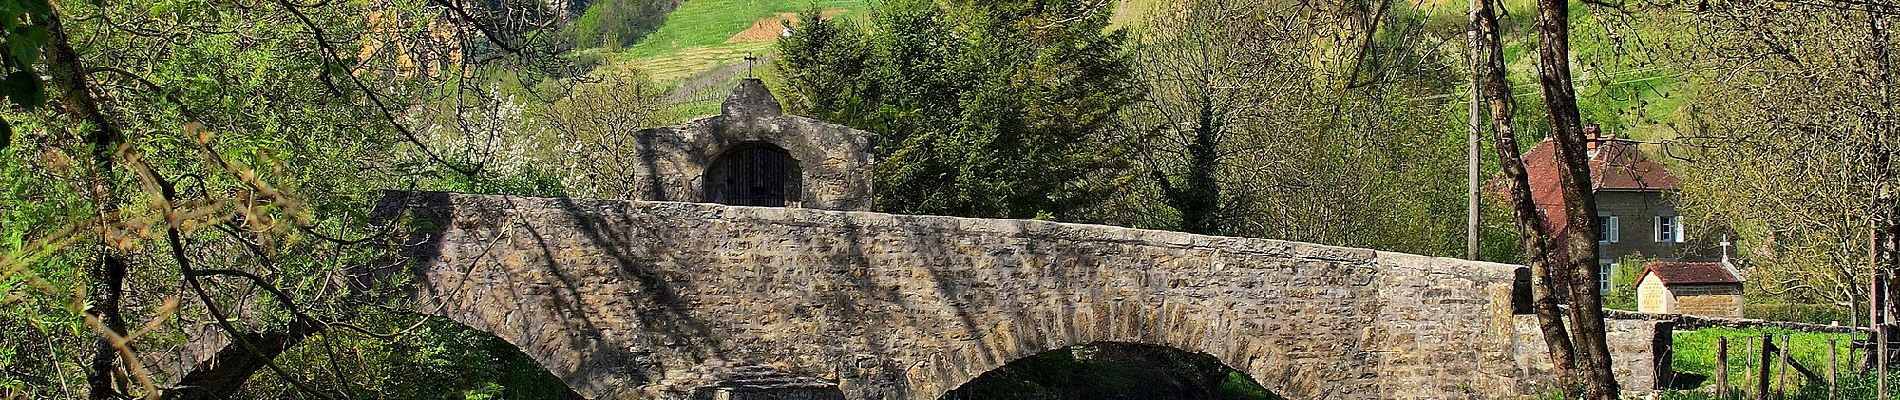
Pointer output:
x,y
764,383
661,300
664,299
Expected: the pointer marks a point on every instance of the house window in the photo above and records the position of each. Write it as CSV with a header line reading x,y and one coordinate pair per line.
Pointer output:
x,y
1669,229
1665,229
1604,271
1607,229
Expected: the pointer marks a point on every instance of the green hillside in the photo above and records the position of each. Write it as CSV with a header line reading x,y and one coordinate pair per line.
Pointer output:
x,y
1621,85
703,34
705,39
700,35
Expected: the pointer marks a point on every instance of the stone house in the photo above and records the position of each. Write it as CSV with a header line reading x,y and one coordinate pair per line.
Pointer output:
x,y
752,154
1635,203
1709,289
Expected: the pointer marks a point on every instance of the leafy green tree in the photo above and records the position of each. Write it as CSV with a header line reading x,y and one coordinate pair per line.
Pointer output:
x,y
436,359
1562,261
24,27
1231,138
1794,148
1622,294
983,108
590,139
200,174
619,23
1200,98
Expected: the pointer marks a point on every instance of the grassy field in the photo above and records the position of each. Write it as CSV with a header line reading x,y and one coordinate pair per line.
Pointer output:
x,y
1624,81
1130,12
1695,353
1630,99
699,36
708,23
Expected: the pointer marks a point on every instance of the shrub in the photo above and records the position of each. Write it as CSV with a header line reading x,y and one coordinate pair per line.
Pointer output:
x,y
1821,314
619,23
1622,294
1694,354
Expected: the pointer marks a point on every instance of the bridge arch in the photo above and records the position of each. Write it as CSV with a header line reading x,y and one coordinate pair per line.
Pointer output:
x,y
656,300
1115,370
1217,329
472,358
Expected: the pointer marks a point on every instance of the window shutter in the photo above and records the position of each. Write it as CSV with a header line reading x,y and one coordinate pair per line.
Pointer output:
x,y
1678,225
1614,231
1657,227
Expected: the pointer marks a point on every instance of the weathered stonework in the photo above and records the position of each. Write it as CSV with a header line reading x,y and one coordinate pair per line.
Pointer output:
x,y
663,300
766,383
835,161
1634,347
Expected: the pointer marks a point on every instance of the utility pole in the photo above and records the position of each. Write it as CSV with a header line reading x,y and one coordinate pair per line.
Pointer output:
x,y
1471,153
1882,215
1874,311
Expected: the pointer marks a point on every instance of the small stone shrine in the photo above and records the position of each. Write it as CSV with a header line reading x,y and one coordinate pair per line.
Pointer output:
x,y
752,154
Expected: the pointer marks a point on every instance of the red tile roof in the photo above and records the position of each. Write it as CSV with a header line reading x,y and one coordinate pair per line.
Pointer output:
x,y
1689,273
1616,165
1619,165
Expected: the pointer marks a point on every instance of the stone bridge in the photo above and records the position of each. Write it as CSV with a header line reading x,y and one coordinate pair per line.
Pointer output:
x,y
629,299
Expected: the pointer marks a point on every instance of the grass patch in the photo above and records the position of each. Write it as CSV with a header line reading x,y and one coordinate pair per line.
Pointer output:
x,y
708,23
1624,82
681,113
1695,353
695,37
1849,386
671,67
1131,13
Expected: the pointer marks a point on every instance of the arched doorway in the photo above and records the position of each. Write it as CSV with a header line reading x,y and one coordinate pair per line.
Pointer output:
x,y
754,174
1113,370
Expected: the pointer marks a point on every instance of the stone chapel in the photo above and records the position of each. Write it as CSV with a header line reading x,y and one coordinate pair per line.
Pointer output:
x,y
752,154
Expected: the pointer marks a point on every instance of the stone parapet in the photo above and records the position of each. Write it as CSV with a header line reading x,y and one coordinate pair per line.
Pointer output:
x,y
624,299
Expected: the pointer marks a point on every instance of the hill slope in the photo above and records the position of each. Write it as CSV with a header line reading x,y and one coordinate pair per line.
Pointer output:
x,y
703,43
702,35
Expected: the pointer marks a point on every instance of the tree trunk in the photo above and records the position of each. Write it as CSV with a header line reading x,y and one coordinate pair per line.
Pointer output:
x,y
104,298
220,376
107,279
1578,237
1488,73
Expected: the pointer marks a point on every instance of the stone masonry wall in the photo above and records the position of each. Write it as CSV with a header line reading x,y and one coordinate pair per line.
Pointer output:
x,y
835,161
1721,301
652,300
1633,350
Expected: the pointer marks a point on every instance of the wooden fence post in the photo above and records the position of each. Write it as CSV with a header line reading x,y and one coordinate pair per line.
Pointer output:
x,y
1782,376
1831,346
1721,368
1767,363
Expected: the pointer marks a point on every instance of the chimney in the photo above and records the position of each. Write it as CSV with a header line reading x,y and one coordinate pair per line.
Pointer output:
x,y
1592,134
1725,245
